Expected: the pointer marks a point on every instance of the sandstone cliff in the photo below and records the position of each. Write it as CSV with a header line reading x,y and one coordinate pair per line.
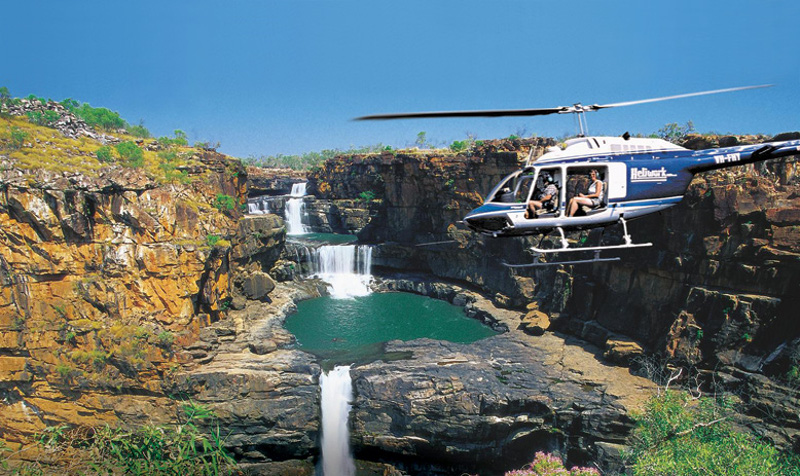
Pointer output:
x,y
110,273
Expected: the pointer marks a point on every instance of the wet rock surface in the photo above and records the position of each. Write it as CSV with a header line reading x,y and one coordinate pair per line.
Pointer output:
x,y
490,405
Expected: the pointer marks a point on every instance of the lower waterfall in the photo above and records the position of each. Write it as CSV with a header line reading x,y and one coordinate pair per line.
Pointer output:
x,y
337,393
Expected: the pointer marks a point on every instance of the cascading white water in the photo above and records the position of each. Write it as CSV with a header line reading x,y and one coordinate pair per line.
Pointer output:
x,y
294,210
337,393
298,189
258,206
346,268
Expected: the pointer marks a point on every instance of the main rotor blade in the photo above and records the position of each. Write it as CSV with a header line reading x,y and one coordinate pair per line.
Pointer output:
x,y
688,95
576,108
488,113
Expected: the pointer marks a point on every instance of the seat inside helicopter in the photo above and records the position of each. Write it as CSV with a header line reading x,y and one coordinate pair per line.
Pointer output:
x,y
532,184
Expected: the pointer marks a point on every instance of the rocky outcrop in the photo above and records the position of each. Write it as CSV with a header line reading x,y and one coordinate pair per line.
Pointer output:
x,y
272,182
108,282
66,122
348,217
489,406
263,390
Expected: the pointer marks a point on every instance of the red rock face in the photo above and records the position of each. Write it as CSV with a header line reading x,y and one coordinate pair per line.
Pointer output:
x,y
104,280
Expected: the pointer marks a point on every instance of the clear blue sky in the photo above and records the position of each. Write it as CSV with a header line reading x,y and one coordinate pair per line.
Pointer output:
x,y
269,77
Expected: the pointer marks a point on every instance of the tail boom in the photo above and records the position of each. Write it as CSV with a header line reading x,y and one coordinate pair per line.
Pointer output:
x,y
732,156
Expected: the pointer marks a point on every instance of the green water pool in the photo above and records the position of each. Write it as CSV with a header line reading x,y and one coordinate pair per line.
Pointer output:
x,y
353,330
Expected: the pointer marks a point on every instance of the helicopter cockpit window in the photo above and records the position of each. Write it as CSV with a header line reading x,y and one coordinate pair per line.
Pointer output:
x,y
504,191
523,189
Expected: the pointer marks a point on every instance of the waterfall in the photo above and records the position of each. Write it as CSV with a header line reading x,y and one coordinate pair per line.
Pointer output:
x,y
346,268
258,205
298,189
294,210
337,392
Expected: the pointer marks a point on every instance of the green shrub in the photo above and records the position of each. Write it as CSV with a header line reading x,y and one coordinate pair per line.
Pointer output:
x,y
212,240
18,137
105,154
224,202
131,154
99,117
138,131
71,338
679,435
163,450
179,139
459,145
367,196
173,175
70,104
545,464
64,371
43,118
167,155
165,339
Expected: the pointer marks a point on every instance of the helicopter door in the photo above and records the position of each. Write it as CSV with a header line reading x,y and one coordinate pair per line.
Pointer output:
x,y
580,182
546,196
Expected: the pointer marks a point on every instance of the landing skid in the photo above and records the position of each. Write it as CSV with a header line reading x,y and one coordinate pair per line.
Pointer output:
x,y
536,264
565,248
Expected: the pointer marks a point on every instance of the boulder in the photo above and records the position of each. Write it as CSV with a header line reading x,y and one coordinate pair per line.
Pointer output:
x,y
622,350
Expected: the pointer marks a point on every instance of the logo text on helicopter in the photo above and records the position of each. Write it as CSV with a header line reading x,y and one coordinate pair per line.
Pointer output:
x,y
643,174
727,158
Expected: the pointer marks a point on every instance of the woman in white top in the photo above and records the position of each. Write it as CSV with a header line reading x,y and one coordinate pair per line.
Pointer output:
x,y
593,198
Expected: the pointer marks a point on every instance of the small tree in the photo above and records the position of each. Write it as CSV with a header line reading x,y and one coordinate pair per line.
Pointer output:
x,y
422,140
673,131
139,130
180,138
681,435
131,154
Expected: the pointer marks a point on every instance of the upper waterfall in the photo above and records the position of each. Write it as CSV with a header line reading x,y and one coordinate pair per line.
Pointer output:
x,y
294,210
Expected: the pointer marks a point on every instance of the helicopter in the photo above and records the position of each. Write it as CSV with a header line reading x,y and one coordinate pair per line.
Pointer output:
x,y
630,177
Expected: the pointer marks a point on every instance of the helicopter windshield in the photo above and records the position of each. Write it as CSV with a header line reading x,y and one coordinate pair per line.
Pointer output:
x,y
504,191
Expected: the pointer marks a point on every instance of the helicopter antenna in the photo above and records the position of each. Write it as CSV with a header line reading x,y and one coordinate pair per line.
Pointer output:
x,y
577,108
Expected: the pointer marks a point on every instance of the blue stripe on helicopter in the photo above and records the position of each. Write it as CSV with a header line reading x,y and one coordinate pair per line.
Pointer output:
x,y
646,203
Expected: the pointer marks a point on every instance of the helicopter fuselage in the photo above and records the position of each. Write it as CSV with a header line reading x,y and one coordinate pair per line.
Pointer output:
x,y
638,177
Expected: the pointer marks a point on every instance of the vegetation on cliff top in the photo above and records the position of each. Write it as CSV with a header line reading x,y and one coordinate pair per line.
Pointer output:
x,y
35,141
672,132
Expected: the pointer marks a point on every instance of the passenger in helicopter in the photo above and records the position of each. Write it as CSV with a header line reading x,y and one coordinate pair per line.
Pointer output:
x,y
593,198
542,195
